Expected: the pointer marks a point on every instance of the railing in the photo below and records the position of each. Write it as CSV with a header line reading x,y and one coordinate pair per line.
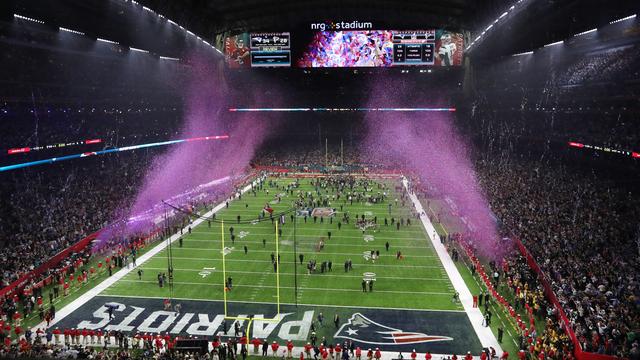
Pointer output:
x,y
578,352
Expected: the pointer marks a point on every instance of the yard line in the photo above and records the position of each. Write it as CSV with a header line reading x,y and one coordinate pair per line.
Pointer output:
x,y
268,303
288,252
292,262
304,273
336,234
302,243
291,287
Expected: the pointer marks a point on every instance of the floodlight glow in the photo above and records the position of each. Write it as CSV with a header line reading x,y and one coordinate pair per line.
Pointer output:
x,y
586,32
555,43
107,41
71,31
488,27
169,58
28,19
172,22
138,50
523,53
146,8
190,33
623,19
503,14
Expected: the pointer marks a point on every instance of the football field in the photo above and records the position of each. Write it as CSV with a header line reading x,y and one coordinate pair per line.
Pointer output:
x,y
409,296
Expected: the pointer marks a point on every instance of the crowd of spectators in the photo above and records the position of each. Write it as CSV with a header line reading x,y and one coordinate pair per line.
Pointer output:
x,y
46,210
305,158
600,66
582,234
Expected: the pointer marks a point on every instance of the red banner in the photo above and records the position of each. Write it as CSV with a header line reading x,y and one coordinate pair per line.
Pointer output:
x,y
18,150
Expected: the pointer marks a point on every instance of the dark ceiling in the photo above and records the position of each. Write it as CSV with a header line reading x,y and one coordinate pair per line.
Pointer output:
x,y
536,23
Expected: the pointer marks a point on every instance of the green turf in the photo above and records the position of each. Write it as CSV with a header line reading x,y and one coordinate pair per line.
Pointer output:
x,y
416,282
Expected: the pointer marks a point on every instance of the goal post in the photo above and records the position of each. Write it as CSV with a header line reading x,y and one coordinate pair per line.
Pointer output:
x,y
250,319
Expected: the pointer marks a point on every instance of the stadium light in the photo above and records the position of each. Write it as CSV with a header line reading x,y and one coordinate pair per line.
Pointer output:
x,y
586,32
173,23
523,53
555,43
138,50
108,41
504,14
71,31
169,58
28,19
623,19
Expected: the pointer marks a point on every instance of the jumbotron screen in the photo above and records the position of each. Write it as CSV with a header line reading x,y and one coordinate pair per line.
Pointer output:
x,y
353,48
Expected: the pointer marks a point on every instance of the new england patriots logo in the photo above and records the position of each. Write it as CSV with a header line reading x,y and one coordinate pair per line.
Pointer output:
x,y
361,329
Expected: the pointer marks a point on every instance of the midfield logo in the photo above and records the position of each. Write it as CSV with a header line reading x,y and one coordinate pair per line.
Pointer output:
x,y
361,329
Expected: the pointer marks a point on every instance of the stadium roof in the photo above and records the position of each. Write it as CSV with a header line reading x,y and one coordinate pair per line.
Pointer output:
x,y
539,22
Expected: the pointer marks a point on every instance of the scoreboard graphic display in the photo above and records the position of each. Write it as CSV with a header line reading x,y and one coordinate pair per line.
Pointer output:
x,y
345,48
414,47
270,49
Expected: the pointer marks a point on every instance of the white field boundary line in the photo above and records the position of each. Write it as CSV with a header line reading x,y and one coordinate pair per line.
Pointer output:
x,y
485,335
84,298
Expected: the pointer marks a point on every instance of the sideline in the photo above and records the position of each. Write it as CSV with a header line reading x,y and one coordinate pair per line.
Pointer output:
x,y
84,298
485,335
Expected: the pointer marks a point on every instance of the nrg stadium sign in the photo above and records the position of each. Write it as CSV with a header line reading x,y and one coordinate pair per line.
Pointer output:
x,y
341,25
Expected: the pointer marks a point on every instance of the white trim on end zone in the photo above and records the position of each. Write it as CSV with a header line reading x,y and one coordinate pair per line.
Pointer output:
x,y
486,337
82,299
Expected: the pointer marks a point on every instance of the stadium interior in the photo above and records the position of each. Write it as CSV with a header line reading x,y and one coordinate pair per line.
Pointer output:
x,y
320,179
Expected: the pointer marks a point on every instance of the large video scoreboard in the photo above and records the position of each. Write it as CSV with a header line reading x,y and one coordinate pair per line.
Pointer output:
x,y
414,47
345,48
270,49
